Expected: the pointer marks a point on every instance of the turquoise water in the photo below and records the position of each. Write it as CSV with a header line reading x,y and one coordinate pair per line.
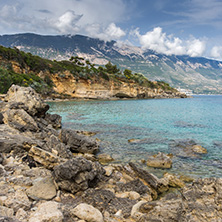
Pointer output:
x,y
159,122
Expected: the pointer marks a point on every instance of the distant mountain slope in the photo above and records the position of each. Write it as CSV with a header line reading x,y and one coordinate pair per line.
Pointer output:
x,y
199,74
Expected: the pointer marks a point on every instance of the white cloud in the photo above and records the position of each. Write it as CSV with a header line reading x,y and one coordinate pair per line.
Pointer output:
x,y
216,52
160,42
67,22
63,17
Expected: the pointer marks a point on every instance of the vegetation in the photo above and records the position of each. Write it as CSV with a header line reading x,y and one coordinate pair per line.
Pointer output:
x,y
78,67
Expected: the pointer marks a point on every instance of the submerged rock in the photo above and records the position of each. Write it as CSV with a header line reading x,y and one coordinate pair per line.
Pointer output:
x,y
160,160
187,148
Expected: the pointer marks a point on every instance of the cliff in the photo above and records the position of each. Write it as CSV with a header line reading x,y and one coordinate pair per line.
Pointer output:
x,y
77,78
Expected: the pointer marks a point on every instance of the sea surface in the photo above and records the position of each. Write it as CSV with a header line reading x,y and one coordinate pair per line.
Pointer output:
x,y
158,124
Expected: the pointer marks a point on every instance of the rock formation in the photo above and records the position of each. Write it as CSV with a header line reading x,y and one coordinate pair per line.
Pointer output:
x,y
52,174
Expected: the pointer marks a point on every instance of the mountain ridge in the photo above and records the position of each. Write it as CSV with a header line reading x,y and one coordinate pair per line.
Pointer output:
x,y
199,74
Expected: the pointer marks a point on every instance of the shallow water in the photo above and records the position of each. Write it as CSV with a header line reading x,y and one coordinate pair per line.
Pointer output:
x,y
159,122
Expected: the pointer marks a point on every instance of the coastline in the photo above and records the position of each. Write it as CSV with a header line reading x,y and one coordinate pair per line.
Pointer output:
x,y
49,173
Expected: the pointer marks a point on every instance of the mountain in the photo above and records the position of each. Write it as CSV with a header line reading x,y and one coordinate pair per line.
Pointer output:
x,y
199,74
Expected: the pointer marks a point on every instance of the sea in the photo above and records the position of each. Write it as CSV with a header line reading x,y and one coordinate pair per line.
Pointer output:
x,y
156,125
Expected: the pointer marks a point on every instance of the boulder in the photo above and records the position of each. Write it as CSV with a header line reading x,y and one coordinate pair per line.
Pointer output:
x,y
134,185
54,144
160,160
28,96
48,211
173,181
105,200
20,120
54,119
88,213
78,143
43,157
43,189
18,200
78,174
157,186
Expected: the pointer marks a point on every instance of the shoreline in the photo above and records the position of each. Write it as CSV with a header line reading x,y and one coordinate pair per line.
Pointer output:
x,y
49,173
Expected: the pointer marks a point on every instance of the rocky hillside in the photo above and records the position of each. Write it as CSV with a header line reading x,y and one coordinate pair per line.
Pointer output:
x,y
76,78
48,173
198,74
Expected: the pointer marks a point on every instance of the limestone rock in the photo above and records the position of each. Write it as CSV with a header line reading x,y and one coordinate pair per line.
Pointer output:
x,y
173,180
160,160
6,212
53,143
78,143
134,185
105,158
17,200
54,119
78,174
42,190
47,159
155,184
20,119
22,215
105,200
47,212
135,208
88,213
28,96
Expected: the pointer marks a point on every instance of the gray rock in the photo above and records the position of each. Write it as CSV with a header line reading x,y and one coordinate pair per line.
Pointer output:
x,y
78,143
53,143
20,120
157,185
134,185
78,174
105,200
54,119
42,190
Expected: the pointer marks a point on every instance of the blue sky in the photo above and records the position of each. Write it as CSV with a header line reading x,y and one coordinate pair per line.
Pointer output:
x,y
192,27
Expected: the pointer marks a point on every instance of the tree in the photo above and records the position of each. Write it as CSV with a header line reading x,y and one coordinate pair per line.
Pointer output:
x,y
111,69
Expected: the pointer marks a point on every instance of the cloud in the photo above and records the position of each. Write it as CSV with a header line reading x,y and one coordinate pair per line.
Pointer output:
x,y
112,32
63,17
66,23
216,52
160,42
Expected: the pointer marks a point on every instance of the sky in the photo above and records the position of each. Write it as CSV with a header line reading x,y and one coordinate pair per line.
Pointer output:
x,y
180,27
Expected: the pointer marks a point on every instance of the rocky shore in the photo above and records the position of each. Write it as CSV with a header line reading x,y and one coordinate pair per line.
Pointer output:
x,y
52,174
